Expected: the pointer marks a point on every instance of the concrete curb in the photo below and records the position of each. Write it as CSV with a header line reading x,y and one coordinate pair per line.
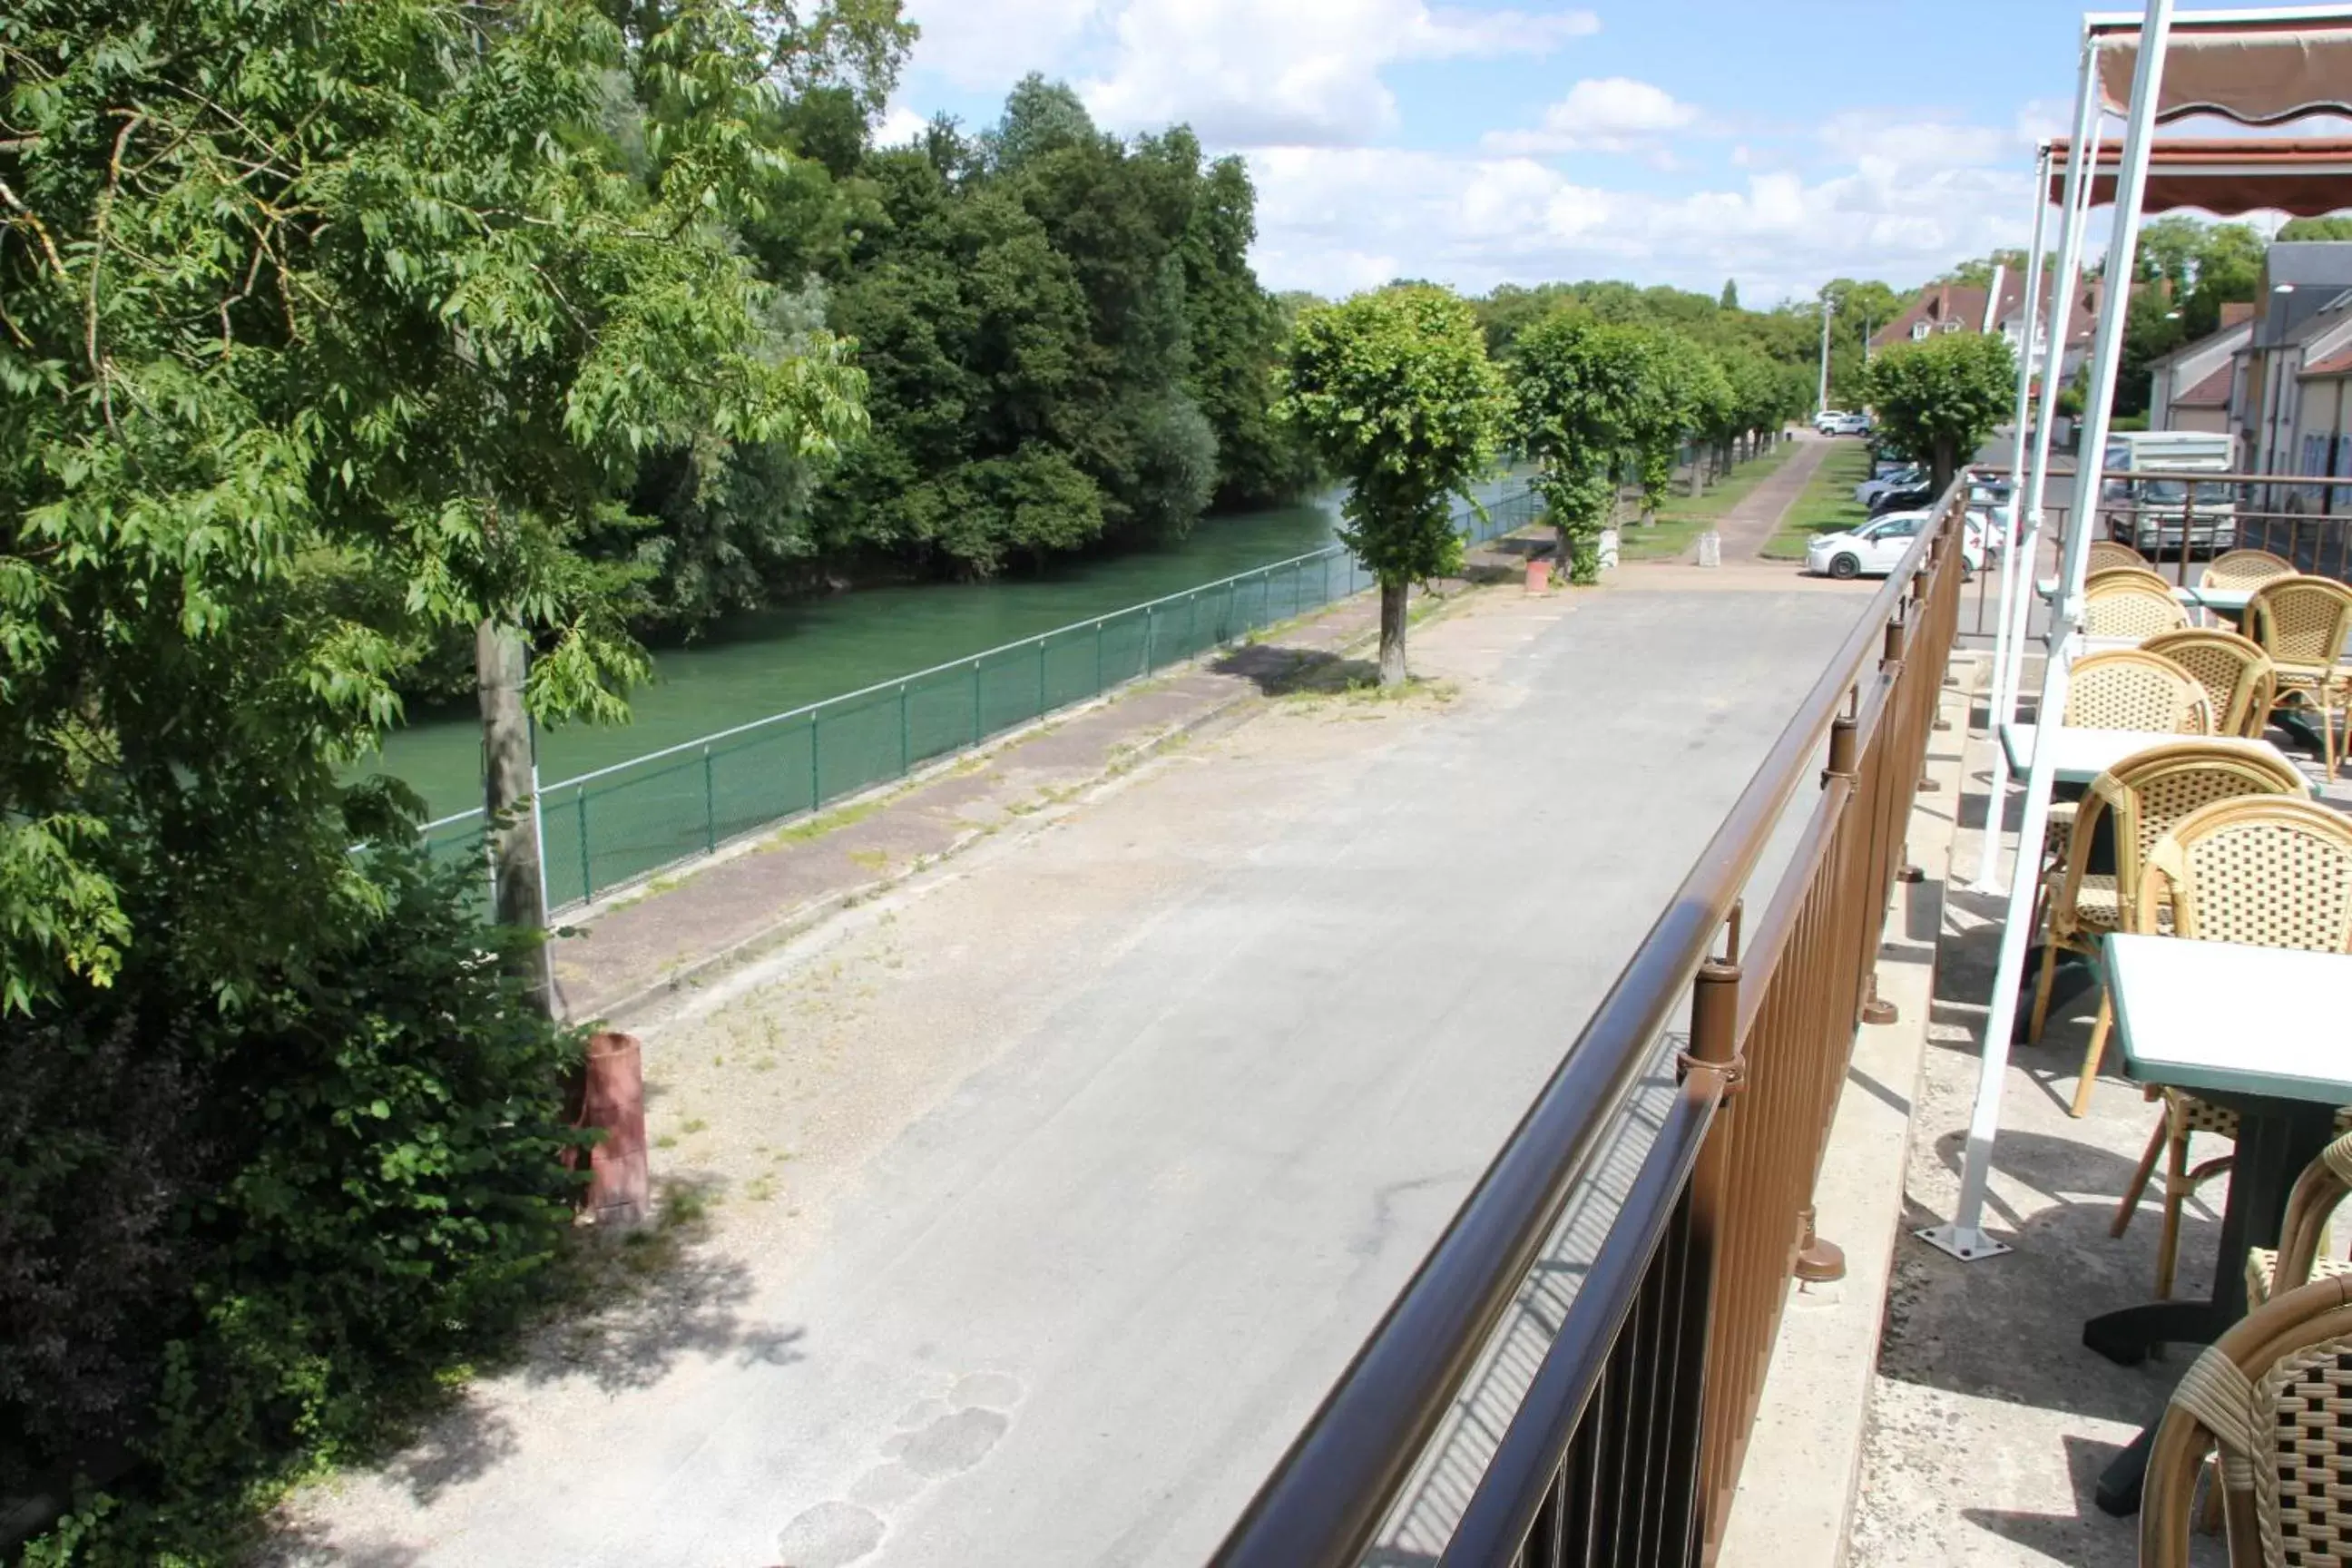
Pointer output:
x,y
1797,1486
648,1002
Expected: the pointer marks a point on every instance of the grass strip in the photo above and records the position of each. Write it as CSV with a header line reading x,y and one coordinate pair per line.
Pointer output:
x,y
1826,505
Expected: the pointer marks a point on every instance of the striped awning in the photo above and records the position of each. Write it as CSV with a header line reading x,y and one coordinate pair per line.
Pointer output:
x,y
2258,66
2225,175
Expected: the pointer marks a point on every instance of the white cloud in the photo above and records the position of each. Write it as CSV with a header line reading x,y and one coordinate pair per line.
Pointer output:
x,y
987,46
1477,221
1607,114
899,126
1245,73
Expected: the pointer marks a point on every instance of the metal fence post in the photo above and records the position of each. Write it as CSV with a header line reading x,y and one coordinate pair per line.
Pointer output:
x,y
905,740
816,775
1041,677
709,806
975,703
587,871
1147,639
1098,669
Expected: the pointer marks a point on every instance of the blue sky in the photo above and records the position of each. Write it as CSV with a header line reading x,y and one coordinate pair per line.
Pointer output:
x,y
1779,143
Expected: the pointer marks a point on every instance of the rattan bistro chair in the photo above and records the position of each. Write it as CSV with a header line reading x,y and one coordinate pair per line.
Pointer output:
x,y
2273,1394
2126,688
2246,569
2131,689
2267,872
2302,624
2144,574
2107,554
2130,605
2234,672
2324,1184
2148,795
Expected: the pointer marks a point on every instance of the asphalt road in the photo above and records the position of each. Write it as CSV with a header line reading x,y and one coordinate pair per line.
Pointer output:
x,y
1166,1102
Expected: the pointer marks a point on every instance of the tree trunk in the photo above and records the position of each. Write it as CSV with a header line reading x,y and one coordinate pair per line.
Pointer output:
x,y
518,890
1944,462
1392,605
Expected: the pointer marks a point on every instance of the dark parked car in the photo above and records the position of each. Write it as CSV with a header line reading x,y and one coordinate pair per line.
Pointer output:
x,y
1902,500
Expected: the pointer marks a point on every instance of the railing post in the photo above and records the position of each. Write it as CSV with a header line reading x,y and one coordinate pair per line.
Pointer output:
x,y
1696,1454
1147,639
1819,1262
975,703
1098,668
1041,677
906,732
816,777
709,806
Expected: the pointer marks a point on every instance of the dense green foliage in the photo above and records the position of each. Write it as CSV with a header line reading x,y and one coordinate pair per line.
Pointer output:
x,y
1064,339
1394,391
1941,398
237,1245
326,333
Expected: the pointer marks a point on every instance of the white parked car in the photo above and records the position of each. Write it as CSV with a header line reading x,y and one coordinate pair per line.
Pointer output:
x,y
1905,478
1878,546
1834,424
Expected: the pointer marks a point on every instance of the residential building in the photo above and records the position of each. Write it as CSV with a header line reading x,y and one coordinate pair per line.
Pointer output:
x,y
2301,320
2190,388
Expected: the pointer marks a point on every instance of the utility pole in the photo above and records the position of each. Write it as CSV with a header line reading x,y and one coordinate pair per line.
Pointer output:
x,y
510,803
1821,398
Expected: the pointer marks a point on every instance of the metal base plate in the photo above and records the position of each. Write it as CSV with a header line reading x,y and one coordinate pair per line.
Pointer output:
x,y
1968,1246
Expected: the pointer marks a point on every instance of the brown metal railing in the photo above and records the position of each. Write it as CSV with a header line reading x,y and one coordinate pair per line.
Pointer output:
x,y
1626,1444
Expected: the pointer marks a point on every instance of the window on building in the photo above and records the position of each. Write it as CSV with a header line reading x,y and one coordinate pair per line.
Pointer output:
x,y
1951,326
1919,330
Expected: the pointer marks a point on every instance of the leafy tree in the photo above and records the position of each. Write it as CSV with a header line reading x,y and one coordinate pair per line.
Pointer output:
x,y
324,356
1582,392
1394,391
1729,299
1942,397
328,335
1694,401
2335,226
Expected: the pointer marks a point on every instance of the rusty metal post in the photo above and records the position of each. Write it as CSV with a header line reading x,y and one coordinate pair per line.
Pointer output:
x,y
612,1102
1818,1261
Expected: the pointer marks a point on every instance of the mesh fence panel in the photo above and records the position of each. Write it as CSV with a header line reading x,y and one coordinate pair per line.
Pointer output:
x,y
629,821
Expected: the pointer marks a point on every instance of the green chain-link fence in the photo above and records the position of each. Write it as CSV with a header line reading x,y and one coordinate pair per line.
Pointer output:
x,y
618,824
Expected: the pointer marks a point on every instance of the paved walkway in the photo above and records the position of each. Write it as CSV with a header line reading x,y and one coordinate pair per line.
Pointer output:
x,y
1049,1190
1752,520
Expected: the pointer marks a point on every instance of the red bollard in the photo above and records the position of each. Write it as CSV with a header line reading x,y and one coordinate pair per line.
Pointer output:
x,y
619,1184
1539,576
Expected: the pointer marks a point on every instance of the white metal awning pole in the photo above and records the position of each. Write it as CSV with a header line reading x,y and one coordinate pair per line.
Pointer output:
x,y
1989,857
1965,1237
2074,229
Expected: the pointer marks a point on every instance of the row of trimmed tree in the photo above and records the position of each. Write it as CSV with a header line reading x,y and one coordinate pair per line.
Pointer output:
x,y
1396,394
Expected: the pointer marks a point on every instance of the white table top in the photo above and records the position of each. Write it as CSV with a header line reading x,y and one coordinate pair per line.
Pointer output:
x,y
2214,1016
2080,756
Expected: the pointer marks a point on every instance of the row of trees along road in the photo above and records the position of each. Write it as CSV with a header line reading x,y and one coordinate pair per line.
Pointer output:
x,y
1396,392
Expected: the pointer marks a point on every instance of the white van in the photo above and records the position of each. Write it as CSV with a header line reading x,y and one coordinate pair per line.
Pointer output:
x,y
2147,513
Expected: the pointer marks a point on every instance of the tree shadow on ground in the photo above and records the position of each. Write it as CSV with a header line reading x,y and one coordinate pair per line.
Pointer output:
x,y
624,1311
1279,671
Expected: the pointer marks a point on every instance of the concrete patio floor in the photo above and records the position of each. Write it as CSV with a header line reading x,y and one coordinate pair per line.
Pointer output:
x,y
1989,1421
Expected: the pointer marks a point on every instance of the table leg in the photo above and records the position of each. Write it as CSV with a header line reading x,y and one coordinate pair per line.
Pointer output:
x,y
2276,1139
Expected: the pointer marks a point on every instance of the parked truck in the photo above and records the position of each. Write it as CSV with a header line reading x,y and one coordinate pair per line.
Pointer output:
x,y
2149,513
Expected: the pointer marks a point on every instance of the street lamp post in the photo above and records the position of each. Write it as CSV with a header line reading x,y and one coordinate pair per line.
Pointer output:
x,y
1829,308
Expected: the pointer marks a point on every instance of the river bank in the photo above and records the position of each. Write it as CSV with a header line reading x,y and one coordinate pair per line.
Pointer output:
x,y
809,649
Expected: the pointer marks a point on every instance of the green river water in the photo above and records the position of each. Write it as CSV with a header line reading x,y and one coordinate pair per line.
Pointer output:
x,y
772,660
